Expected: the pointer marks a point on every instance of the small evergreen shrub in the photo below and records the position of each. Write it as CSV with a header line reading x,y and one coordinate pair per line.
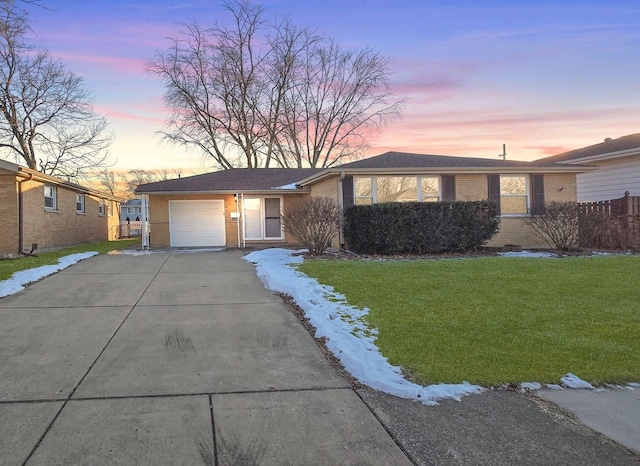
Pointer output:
x,y
419,227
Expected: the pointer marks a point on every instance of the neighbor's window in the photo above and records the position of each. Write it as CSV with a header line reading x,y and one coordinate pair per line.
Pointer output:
x,y
396,189
49,197
513,194
430,188
101,207
362,191
80,203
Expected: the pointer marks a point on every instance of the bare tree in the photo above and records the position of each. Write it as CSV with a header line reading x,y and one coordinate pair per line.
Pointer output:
x,y
107,180
314,221
558,225
259,94
137,176
47,118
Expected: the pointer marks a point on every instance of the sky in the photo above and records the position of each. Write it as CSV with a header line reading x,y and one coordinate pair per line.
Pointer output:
x,y
542,77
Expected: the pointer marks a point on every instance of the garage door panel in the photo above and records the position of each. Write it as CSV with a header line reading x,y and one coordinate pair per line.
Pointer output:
x,y
197,223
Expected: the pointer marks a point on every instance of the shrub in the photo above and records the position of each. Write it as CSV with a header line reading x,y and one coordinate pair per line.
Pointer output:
x,y
558,225
419,227
313,221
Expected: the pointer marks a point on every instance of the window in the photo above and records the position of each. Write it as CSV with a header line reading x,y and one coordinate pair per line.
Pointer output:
x,y
363,191
396,189
513,195
262,218
101,207
80,203
429,189
509,193
50,197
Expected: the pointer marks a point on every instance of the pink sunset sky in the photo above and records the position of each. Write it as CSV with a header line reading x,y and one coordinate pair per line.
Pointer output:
x,y
542,77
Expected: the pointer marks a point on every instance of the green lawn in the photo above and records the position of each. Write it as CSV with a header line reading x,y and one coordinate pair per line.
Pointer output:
x,y
9,266
498,320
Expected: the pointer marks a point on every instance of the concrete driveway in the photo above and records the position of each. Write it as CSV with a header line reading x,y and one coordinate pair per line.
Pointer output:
x,y
186,359
172,359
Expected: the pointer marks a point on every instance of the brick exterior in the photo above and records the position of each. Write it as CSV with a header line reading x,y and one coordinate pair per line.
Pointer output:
x,y
48,229
159,218
8,213
557,187
560,187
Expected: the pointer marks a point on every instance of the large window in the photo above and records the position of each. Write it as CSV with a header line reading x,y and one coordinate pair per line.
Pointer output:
x,y
80,203
368,190
396,189
262,218
50,197
513,195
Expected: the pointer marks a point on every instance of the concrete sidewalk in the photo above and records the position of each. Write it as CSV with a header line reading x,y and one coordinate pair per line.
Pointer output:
x,y
174,358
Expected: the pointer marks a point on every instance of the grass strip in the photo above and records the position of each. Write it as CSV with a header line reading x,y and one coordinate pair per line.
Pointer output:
x,y
498,320
9,266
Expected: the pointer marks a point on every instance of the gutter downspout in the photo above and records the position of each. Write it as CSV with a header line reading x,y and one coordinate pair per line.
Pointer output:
x,y
244,241
21,214
341,209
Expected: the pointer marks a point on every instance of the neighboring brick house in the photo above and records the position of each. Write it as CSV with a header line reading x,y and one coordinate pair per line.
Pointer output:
x,y
42,210
618,168
243,206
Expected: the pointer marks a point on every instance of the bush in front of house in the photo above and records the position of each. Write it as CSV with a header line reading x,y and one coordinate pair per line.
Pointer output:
x,y
419,227
313,221
562,227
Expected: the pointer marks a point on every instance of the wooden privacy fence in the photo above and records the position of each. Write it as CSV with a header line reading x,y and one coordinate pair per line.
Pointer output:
x,y
625,206
621,227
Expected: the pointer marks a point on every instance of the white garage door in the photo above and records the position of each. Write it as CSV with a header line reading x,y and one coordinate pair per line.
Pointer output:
x,y
196,223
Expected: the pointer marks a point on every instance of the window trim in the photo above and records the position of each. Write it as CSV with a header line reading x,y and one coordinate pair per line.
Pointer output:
x,y
263,220
53,197
101,207
527,195
374,188
80,201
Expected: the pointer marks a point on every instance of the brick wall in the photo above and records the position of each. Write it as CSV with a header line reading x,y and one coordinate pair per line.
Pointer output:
x,y
48,229
64,226
326,188
8,213
560,187
159,216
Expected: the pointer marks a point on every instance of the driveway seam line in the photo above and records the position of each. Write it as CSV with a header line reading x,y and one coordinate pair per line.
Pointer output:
x,y
176,395
65,402
213,432
393,437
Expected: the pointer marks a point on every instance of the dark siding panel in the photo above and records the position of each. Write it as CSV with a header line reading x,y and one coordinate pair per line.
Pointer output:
x,y
494,189
448,187
347,191
537,194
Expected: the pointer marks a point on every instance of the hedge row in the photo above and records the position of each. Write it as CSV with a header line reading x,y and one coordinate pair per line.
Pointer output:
x,y
419,227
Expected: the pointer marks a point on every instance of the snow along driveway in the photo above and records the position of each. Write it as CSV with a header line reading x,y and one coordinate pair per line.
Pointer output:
x,y
352,341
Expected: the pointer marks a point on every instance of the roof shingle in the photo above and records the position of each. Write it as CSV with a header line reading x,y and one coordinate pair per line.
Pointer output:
x,y
631,141
235,179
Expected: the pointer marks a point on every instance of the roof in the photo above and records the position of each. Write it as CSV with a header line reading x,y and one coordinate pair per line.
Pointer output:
x,y
619,146
25,172
285,179
233,180
408,160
